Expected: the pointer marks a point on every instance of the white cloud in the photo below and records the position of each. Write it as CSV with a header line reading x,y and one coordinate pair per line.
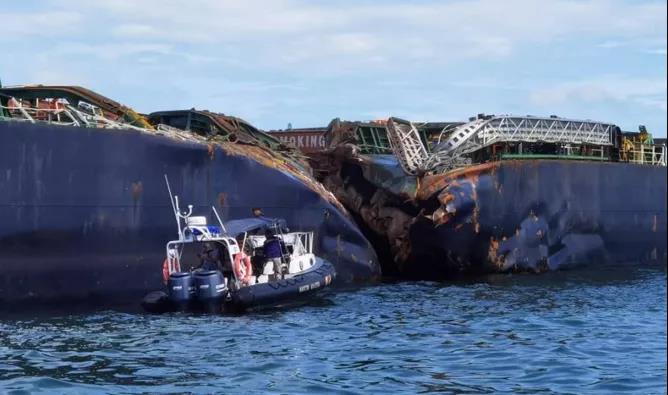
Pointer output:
x,y
294,30
610,44
648,92
648,45
658,103
16,26
111,51
299,59
657,51
136,30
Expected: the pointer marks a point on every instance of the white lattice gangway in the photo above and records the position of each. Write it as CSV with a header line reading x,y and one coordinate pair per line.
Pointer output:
x,y
483,132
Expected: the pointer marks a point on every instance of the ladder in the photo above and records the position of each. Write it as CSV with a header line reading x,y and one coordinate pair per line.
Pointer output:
x,y
407,145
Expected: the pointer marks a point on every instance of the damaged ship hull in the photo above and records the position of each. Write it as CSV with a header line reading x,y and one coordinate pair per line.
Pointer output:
x,y
85,212
515,215
547,215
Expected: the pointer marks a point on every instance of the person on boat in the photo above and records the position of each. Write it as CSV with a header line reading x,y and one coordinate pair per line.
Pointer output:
x,y
213,257
273,251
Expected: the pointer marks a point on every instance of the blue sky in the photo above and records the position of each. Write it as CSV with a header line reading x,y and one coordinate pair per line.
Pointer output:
x,y
306,62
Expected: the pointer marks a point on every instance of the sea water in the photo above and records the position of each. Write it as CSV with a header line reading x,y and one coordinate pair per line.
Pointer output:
x,y
578,331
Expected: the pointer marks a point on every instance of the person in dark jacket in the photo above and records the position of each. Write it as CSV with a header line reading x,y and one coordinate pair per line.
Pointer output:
x,y
273,251
213,257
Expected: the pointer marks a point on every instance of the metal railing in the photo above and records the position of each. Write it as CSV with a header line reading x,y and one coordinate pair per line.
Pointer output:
x,y
644,154
85,115
302,242
483,132
59,116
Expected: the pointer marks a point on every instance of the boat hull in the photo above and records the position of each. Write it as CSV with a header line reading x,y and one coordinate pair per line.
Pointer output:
x,y
296,289
285,291
85,213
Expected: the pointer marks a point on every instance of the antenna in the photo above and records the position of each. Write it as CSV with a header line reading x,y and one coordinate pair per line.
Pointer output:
x,y
169,190
174,201
219,220
243,244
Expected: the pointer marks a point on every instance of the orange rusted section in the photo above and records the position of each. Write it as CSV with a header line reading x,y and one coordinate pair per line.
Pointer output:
x,y
49,96
211,150
280,158
447,198
222,197
430,184
493,253
137,189
474,219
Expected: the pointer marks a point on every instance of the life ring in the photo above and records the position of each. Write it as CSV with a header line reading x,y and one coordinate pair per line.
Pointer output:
x,y
243,269
165,270
169,267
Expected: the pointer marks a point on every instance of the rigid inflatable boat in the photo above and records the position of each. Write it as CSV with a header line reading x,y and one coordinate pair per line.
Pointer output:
x,y
240,265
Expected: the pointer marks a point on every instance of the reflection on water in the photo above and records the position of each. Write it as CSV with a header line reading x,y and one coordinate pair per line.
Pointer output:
x,y
577,331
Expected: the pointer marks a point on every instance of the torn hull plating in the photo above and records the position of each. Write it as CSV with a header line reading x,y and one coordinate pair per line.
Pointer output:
x,y
85,212
546,215
511,215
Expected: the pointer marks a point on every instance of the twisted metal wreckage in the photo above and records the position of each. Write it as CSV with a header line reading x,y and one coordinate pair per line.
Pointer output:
x,y
499,193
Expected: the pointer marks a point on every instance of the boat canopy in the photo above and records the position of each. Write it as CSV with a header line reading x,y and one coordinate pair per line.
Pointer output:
x,y
255,225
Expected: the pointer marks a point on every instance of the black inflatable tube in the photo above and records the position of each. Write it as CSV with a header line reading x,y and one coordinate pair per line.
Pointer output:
x,y
286,291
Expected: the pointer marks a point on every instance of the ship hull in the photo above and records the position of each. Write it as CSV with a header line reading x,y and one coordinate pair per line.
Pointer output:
x,y
85,213
529,215
546,215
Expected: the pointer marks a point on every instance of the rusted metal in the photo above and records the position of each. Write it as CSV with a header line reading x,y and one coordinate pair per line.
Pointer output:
x,y
510,215
74,95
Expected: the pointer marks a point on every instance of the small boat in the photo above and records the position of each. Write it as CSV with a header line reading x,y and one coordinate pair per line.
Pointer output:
x,y
237,266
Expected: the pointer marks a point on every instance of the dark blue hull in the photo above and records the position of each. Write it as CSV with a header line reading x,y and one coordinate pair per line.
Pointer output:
x,y
544,215
85,215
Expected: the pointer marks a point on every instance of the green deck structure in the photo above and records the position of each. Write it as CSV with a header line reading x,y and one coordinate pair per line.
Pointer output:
x,y
548,156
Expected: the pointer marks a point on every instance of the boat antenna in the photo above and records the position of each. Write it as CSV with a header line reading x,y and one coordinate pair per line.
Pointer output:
x,y
219,220
279,230
172,198
243,244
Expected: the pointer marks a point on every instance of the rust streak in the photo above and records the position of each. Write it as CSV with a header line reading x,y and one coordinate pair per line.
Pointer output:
x,y
211,150
222,196
137,189
433,183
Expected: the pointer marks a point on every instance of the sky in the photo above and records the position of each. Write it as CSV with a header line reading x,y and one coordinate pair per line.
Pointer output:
x,y
298,62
